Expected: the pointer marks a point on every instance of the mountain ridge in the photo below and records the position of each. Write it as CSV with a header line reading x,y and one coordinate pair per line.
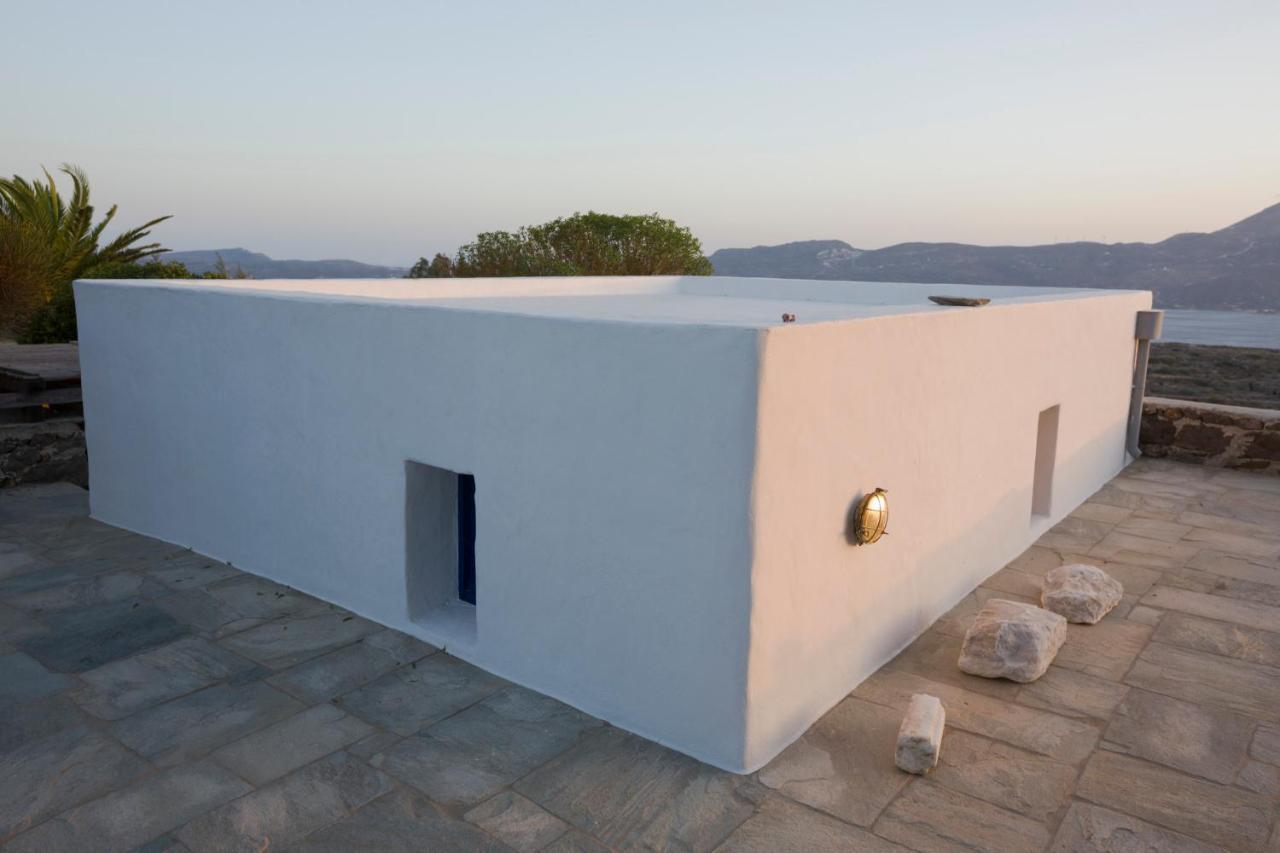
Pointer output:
x,y
259,265
1233,268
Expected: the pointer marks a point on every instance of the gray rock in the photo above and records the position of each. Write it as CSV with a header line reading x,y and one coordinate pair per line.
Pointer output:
x,y
920,737
1028,728
1009,639
1080,593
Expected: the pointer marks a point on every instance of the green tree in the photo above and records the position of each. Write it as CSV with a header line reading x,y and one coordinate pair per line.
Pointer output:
x,y
441,266
25,262
585,244
57,241
153,268
220,270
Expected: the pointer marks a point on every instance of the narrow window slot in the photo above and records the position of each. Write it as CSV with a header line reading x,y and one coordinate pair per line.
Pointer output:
x,y
1046,456
467,538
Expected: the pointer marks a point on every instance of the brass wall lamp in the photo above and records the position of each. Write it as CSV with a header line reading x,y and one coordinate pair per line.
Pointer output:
x,y
871,517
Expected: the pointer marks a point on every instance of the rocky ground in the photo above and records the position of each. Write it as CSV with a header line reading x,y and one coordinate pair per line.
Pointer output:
x,y
1235,376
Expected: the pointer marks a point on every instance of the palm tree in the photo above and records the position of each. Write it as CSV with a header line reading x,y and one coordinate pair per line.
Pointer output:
x,y
24,263
48,240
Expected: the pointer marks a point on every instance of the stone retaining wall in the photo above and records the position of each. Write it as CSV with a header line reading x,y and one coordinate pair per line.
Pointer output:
x,y
43,452
1211,434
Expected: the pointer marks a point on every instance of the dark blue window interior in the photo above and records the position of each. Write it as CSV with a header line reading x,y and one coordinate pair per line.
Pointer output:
x,y
467,538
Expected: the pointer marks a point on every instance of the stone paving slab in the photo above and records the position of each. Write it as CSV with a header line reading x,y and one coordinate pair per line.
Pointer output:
x,y
1088,827
632,793
79,641
134,814
409,698
842,765
292,743
287,810
1073,694
1016,780
402,820
480,750
292,640
1203,741
25,722
1219,814
23,679
44,777
1248,688
343,670
158,700
192,726
517,822
930,817
118,689
780,824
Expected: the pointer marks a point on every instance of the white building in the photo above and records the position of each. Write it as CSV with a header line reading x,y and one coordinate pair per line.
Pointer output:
x,y
663,469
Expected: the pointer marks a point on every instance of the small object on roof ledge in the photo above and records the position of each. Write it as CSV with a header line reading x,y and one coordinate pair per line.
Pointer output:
x,y
788,318
959,300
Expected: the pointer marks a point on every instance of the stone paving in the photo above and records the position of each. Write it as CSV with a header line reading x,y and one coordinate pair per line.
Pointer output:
x,y
154,699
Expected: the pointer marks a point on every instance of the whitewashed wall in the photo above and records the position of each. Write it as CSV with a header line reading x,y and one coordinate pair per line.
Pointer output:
x,y
612,464
940,409
640,554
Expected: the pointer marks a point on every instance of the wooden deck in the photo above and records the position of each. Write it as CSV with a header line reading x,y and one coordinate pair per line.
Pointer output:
x,y
39,382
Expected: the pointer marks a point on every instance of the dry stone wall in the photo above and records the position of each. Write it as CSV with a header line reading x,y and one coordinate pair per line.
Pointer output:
x,y
1211,434
43,452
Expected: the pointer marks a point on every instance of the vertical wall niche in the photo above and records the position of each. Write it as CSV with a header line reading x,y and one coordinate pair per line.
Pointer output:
x,y
440,531
1046,456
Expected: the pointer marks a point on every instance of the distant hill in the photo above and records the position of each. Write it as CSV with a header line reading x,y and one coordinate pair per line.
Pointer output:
x,y
259,265
1236,268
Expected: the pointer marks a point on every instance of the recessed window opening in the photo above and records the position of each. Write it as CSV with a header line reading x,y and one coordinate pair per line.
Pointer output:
x,y
1046,457
467,538
440,540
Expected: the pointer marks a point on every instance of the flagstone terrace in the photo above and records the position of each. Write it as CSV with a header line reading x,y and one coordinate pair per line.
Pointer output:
x,y
154,699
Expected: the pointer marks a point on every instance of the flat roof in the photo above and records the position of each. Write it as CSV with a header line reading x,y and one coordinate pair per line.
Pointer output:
x,y
696,300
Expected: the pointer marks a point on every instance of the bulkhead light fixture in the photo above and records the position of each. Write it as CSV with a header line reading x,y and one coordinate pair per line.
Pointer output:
x,y
872,516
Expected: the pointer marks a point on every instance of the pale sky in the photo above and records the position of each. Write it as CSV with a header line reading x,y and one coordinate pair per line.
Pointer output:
x,y
382,131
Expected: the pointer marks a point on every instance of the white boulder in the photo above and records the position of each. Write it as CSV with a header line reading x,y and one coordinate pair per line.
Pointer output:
x,y
1080,593
920,737
1009,639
